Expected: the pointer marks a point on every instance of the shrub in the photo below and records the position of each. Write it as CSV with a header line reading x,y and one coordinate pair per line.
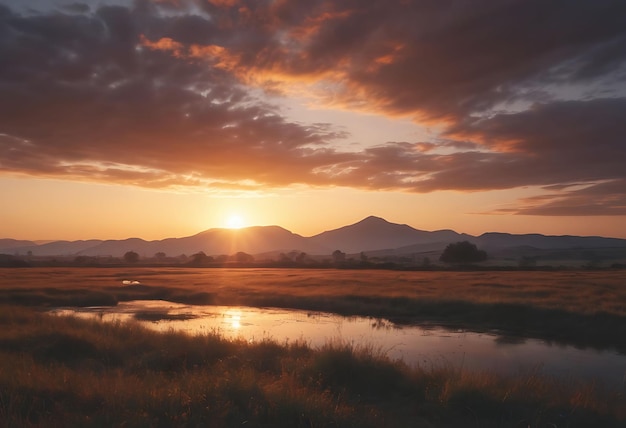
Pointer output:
x,y
462,252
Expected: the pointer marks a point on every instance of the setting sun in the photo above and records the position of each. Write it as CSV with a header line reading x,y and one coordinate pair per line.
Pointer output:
x,y
287,212
235,221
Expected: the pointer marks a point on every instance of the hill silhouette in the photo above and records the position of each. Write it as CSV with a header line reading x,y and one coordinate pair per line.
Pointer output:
x,y
375,233
372,235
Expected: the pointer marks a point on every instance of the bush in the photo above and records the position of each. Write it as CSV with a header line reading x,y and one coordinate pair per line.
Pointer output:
x,y
131,257
462,252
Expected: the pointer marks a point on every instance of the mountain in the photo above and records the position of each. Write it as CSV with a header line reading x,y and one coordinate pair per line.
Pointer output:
x,y
506,240
61,248
8,244
373,235
116,248
258,239
251,240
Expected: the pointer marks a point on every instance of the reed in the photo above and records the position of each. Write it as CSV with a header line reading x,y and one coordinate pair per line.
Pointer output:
x,y
63,371
581,308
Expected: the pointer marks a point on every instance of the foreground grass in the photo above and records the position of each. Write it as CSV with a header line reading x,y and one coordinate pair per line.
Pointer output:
x,y
582,308
61,371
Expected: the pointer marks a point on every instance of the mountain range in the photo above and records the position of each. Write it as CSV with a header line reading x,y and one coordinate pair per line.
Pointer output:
x,y
373,235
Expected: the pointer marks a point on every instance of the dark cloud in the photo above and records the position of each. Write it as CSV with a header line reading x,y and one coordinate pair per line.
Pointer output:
x,y
554,146
76,7
606,198
437,60
561,142
157,94
82,98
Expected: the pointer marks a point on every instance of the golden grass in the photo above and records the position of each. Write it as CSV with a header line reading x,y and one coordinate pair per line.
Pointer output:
x,y
61,371
584,292
582,308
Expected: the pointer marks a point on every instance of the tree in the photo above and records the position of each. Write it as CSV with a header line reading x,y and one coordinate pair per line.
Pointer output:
x,y
339,256
160,256
301,258
242,257
462,252
131,257
222,258
200,258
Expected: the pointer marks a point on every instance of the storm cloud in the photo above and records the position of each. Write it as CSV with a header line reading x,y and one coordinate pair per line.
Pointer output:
x,y
179,94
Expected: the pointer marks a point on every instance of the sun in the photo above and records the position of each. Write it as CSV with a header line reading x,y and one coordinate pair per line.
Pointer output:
x,y
235,221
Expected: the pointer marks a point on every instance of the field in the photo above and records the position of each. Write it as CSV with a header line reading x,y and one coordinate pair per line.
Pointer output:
x,y
58,371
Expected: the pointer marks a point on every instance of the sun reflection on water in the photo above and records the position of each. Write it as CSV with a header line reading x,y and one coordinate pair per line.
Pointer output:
x,y
233,318
419,345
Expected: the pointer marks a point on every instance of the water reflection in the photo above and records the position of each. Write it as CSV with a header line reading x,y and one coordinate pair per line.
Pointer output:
x,y
234,318
427,346
510,340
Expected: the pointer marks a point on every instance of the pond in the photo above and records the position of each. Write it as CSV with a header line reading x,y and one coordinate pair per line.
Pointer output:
x,y
416,345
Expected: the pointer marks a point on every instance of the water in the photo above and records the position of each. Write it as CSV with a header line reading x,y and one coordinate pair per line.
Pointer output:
x,y
416,345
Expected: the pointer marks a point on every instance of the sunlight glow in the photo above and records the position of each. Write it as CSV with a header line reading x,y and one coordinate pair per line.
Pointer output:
x,y
234,319
235,221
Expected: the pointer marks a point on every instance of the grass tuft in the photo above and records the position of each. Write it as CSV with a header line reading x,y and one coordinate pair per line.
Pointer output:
x,y
64,371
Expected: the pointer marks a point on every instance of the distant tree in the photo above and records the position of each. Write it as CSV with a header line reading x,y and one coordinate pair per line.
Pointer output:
x,y
462,252
222,258
339,256
301,258
131,257
160,256
242,257
200,258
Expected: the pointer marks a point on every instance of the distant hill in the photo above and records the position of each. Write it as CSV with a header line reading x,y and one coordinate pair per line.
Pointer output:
x,y
9,244
507,240
251,240
63,248
373,235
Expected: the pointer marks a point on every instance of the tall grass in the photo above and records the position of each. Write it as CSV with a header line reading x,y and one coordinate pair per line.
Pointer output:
x,y
62,371
583,308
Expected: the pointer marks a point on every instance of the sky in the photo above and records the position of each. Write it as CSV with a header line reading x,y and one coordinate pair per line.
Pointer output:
x,y
164,118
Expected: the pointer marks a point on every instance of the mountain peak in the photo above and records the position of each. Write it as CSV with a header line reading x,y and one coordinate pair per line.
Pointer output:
x,y
373,220
369,234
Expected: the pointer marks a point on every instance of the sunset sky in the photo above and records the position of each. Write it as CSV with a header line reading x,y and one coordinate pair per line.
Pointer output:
x,y
164,118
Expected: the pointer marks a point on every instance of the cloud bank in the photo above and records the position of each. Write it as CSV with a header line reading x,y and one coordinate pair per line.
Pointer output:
x,y
165,94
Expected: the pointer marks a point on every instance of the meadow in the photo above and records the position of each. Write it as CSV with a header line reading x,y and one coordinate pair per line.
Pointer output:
x,y
60,371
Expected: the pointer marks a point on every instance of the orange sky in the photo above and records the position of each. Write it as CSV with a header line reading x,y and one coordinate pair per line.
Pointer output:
x,y
165,118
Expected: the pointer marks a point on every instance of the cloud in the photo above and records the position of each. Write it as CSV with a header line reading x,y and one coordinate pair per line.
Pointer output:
x,y
601,199
89,97
556,146
432,60
559,142
161,94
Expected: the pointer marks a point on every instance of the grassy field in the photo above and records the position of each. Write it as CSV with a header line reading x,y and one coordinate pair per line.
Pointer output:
x,y
584,308
57,371
62,371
